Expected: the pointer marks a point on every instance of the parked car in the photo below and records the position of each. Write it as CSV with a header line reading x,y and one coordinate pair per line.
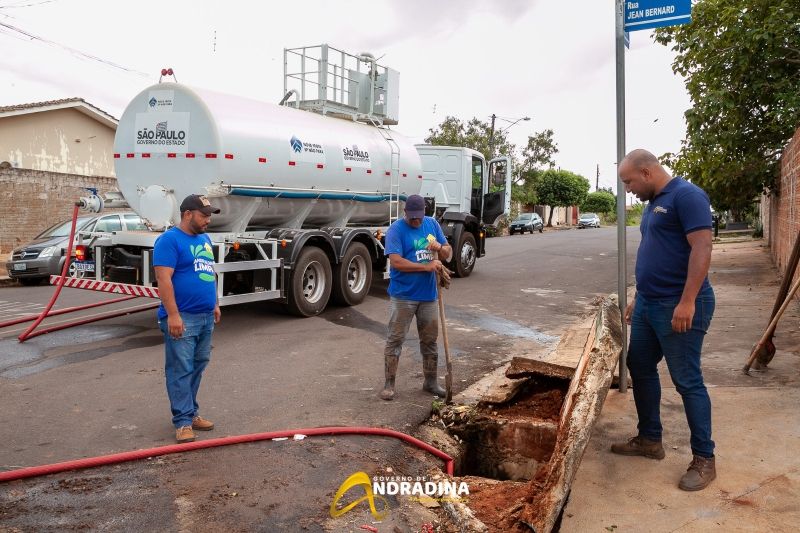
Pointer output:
x,y
529,222
588,220
44,255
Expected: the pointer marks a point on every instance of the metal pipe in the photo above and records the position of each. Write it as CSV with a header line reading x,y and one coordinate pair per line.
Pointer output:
x,y
299,189
622,285
64,311
90,319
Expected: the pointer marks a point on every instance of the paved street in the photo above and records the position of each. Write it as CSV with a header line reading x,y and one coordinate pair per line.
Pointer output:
x,y
99,389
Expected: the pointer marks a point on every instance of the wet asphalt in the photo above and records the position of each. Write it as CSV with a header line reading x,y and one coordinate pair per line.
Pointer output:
x,y
99,389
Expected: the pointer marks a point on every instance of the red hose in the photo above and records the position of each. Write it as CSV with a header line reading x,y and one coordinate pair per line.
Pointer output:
x,y
104,460
28,318
95,318
53,299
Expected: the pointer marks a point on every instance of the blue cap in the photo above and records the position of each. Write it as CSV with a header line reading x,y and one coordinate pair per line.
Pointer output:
x,y
415,206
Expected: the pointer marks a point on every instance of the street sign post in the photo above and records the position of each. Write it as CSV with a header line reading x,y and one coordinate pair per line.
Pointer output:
x,y
647,14
634,15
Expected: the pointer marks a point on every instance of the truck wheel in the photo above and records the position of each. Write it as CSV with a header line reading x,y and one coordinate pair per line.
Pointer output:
x,y
353,276
311,281
464,255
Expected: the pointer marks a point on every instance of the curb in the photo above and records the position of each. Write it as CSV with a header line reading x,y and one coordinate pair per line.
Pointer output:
x,y
6,281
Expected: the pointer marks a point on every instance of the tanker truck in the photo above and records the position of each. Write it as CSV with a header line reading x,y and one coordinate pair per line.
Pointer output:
x,y
306,188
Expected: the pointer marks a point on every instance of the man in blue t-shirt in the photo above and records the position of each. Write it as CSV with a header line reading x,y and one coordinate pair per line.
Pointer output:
x,y
412,245
184,265
671,312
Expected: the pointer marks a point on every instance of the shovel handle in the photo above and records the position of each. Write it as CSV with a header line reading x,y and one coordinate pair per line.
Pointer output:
x,y
771,328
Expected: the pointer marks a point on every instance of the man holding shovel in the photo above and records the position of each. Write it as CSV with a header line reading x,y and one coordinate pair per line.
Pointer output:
x,y
412,245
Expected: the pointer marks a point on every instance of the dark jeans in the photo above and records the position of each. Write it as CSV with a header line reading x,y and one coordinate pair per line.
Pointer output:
x,y
651,339
185,360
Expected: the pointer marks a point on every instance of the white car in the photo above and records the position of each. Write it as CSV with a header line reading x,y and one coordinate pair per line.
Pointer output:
x,y
589,220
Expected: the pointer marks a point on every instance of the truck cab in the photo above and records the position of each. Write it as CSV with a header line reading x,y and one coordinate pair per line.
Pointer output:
x,y
468,194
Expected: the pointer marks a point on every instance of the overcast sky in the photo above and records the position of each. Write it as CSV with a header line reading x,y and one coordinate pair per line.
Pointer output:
x,y
548,59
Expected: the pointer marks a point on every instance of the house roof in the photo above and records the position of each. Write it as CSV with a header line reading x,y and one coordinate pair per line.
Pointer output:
x,y
79,104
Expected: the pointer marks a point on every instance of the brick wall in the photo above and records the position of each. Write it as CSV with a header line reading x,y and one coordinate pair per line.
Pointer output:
x,y
32,200
781,208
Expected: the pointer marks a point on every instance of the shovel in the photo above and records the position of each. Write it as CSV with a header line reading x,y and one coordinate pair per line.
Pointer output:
x,y
444,283
765,341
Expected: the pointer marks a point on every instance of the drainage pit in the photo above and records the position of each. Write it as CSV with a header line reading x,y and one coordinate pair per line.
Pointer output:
x,y
511,441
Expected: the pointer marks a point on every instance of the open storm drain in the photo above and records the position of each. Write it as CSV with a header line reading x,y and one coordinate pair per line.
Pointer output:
x,y
520,447
510,441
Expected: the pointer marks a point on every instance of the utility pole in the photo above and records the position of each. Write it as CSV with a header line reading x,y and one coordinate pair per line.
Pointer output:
x,y
491,138
597,179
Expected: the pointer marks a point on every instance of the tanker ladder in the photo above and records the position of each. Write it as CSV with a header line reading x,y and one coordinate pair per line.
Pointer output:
x,y
394,183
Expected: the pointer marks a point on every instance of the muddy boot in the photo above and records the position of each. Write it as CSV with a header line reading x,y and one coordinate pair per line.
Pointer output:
x,y
390,364
640,446
700,473
429,365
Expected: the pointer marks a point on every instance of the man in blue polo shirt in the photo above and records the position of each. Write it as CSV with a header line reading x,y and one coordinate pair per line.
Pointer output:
x,y
671,312
411,243
184,263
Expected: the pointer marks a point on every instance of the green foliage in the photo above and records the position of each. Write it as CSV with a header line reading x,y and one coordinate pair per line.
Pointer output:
x,y
561,188
633,215
474,134
741,62
526,170
599,202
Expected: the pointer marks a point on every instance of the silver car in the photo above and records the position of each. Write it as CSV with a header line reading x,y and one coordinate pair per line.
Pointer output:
x,y
44,255
589,220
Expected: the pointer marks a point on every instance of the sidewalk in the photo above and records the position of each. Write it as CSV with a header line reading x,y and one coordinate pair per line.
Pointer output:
x,y
756,426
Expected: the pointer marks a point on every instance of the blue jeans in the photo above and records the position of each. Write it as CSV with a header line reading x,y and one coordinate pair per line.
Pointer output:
x,y
651,339
185,360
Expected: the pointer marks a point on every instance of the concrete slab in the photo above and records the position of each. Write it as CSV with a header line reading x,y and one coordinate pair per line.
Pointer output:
x,y
756,427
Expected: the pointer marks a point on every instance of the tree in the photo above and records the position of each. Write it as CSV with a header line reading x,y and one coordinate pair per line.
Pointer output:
x,y
741,62
538,153
561,188
474,134
599,202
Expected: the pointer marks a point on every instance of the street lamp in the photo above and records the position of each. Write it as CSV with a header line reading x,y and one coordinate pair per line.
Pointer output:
x,y
491,133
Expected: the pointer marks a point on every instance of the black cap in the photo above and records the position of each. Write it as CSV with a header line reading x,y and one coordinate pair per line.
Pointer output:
x,y
198,202
415,206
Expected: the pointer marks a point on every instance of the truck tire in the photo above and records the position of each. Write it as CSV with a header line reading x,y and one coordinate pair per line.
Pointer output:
x,y
464,255
310,286
352,277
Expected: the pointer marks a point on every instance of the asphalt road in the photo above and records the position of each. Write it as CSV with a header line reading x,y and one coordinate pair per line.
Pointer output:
x,y
99,389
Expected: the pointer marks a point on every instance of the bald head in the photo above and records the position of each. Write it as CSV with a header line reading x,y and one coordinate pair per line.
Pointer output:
x,y
642,174
641,158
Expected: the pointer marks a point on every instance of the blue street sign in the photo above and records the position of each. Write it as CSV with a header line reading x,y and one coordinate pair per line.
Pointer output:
x,y
646,14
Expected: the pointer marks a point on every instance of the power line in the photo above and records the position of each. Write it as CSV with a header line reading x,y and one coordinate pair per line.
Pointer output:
x,y
74,51
16,5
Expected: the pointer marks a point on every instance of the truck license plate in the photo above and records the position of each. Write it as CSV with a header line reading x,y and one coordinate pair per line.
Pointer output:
x,y
20,266
84,266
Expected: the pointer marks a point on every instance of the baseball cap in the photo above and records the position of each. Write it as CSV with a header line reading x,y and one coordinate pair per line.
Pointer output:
x,y
198,202
415,206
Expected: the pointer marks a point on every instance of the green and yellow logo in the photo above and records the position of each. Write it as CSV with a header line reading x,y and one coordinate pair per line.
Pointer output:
x,y
359,479
203,261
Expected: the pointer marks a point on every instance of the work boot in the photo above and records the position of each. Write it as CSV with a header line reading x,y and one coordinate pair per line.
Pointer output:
x,y
201,424
429,366
184,434
390,365
700,473
432,386
640,446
